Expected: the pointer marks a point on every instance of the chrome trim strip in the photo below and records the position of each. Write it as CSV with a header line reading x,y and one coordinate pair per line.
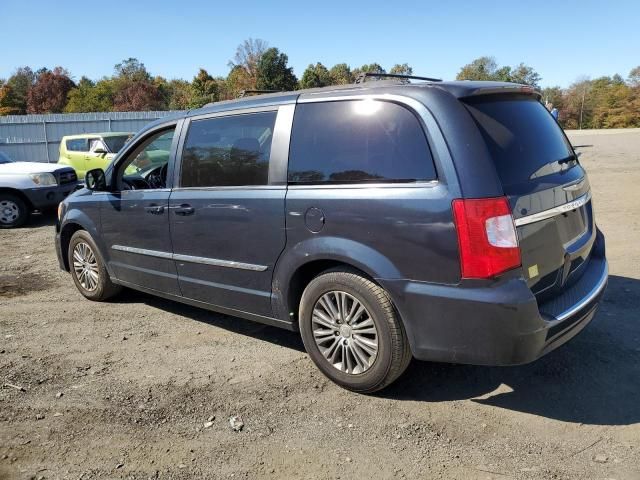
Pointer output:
x,y
191,259
219,263
143,251
595,291
552,212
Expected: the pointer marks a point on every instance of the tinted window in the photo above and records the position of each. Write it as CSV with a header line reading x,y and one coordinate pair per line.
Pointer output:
x,y
228,151
523,138
77,145
358,141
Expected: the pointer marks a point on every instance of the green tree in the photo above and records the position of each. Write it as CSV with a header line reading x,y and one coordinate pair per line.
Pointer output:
x,y
20,82
483,68
524,74
315,76
403,69
341,74
180,94
204,89
8,101
237,81
89,96
273,72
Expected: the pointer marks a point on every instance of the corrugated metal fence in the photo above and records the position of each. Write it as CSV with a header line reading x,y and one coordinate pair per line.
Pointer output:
x,y
36,138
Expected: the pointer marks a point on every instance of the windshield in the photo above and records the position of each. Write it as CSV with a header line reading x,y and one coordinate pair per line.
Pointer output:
x,y
116,143
524,140
4,158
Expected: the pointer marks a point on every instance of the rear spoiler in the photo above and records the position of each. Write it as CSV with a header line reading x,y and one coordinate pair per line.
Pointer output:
x,y
502,89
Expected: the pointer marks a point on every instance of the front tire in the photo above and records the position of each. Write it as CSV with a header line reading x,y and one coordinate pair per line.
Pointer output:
x,y
13,211
88,268
352,332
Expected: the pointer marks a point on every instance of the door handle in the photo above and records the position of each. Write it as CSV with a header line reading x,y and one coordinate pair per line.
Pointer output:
x,y
184,210
154,209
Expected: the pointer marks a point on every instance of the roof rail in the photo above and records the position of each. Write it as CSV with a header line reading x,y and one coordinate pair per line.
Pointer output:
x,y
361,78
245,93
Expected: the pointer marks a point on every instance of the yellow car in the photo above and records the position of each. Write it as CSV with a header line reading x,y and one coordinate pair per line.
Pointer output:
x,y
91,150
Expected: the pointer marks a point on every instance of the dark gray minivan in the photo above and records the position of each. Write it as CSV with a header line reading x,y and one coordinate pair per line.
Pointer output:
x,y
446,221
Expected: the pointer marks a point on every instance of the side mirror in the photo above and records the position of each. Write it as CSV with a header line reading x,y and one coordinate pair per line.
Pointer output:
x,y
578,154
95,180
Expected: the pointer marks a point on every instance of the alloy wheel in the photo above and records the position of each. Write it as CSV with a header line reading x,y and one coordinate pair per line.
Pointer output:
x,y
85,266
344,332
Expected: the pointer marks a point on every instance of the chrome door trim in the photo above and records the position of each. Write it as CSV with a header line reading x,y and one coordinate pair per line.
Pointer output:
x,y
191,259
552,212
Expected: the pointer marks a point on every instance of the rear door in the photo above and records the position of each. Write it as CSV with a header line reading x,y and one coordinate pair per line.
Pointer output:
x,y
227,212
547,188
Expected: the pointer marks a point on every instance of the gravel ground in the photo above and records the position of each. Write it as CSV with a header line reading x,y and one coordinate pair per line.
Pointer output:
x,y
144,388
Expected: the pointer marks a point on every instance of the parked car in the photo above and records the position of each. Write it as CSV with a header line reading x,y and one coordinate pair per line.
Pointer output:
x,y
446,221
29,186
91,150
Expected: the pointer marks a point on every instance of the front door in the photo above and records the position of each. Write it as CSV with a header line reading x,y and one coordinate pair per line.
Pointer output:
x,y
135,220
227,213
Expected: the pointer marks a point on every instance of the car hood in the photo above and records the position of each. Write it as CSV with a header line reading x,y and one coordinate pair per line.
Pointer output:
x,y
29,167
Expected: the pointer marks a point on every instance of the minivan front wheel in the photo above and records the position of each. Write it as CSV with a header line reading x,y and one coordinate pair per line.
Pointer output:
x,y
352,332
88,270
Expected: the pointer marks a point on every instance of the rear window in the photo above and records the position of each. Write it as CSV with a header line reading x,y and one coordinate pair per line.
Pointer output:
x,y
115,144
523,138
358,141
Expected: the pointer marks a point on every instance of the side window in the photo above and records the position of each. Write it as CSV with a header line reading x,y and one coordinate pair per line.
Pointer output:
x,y
77,145
228,151
96,143
146,166
358,141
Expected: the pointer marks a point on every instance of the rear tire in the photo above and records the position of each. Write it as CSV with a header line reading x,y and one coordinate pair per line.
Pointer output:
x,y
88,268
13,211
359,342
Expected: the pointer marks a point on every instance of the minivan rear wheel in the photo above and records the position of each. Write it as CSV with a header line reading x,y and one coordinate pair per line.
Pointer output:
x,y
352,331
88,269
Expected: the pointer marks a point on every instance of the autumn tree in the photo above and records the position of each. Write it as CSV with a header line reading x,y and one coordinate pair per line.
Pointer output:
x,y
316,76
49,93
273,72
8,101
134,89
247,58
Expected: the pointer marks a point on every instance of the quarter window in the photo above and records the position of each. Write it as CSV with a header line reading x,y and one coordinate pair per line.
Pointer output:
x,y
228,151
358,141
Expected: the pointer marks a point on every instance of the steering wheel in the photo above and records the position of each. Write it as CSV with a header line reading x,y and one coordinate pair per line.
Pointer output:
x,y
157,177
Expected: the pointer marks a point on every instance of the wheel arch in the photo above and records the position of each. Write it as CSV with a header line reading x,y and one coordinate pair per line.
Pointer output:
x,y
19,194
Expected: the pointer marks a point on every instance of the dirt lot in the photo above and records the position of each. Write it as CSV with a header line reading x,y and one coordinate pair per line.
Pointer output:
x,y
124,389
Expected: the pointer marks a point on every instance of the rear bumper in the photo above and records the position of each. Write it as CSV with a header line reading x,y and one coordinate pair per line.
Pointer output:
x,y
500,324
49,197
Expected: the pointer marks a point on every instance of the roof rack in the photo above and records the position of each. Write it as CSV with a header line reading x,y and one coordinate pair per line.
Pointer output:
x,y
361,78
245,93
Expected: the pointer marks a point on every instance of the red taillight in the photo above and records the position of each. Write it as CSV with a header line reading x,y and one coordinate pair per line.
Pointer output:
x,y
486,236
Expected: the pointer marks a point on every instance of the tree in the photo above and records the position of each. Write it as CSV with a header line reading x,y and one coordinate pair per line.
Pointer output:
x,y
403,69
634,77
131,69
134,88
20,82
248,56
49,93
483,68
273,72
180,94
89,96
341,74
237,81
8,101
316,76
204,89
486,68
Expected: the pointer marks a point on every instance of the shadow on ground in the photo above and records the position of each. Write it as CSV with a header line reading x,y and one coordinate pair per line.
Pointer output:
x,y
593,379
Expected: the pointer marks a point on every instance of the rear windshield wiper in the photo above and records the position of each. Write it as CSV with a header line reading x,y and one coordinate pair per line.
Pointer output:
x,y
568,159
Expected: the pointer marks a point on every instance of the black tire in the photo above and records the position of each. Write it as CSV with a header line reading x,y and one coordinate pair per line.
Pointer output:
x,y
17,212
393,355
104,288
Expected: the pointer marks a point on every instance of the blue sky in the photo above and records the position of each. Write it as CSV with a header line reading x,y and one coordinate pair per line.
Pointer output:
x,y
562,40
